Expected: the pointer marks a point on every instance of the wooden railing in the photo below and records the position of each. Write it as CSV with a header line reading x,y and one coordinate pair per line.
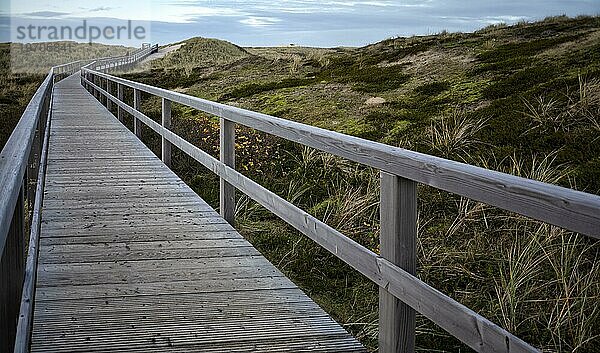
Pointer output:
x,y
22,173
401,292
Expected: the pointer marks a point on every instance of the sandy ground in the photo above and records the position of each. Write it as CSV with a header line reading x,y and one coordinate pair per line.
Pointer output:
x,y
162,52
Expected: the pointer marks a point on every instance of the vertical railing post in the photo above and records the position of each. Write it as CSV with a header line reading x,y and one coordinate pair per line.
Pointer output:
x,y
398,237
166,123
227,152
137,101
109,91
97,83
120,97
102,86
33,165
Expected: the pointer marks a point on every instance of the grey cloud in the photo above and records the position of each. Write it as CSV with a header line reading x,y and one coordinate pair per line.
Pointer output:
x,y
46,14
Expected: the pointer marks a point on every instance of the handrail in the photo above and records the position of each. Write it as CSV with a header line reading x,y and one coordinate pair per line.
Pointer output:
x,y
393,270
15,181
121,61
22,170
570,209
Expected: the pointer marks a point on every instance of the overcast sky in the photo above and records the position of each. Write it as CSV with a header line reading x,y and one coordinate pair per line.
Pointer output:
x,y
302,22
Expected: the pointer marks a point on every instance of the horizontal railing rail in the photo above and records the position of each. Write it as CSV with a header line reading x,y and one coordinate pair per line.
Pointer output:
x,y
22,173
401,292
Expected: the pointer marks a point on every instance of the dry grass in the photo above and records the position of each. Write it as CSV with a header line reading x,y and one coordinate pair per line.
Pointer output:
x,y
295,64
455,134
578,108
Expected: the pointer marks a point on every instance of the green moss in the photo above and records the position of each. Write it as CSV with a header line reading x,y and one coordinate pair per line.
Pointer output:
x,y
363,130
433,88
519,82
522,49
400,127
276,104
251,89
366,78
513,56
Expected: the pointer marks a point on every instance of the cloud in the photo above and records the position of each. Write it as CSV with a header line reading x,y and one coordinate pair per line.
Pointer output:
x,y
255,21
46,14
101,8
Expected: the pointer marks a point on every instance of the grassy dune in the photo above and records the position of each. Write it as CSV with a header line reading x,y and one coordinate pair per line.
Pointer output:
x,y
18,85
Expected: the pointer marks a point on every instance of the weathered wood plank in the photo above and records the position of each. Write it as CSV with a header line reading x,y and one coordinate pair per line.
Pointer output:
x,y
227,156
398,244
166,123
137,102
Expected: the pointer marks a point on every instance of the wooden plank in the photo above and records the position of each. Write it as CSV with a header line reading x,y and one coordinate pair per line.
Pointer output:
x,y
156,275
160,288
208,232
173,335
177,301
72,270
570,209
398,244
108,255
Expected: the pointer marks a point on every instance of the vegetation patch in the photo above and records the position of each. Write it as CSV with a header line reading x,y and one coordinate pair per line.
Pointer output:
x,y
433,88
251,89
519,82
366,78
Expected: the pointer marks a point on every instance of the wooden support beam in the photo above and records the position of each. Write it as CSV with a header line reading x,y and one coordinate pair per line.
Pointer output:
x,y
119,97
137,101
109,90
166,123
227,191
398,235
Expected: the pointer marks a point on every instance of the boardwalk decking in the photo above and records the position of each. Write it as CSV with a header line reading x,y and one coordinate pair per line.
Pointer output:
x,y
132,260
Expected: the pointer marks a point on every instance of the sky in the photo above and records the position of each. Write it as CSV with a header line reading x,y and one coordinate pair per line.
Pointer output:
x,y
272,23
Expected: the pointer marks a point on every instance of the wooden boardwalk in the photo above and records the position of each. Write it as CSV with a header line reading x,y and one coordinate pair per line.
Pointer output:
x,y
132,260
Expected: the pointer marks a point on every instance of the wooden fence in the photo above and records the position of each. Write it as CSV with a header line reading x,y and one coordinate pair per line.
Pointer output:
x,y
401,292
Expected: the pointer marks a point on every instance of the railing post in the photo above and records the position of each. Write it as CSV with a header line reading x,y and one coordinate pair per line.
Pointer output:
x,y
227,152
120,97
137,101
97,83
31,174
398,236
166,123
109,91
